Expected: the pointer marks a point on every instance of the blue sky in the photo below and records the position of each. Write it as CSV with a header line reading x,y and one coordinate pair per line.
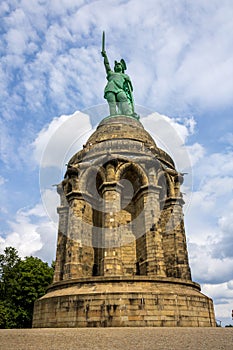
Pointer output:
x,y
179,55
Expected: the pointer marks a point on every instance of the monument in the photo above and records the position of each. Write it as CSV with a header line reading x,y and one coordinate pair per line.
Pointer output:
x,y
121,256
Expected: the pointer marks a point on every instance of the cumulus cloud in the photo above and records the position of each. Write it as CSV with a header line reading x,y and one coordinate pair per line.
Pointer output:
x,y
60,132
223,248
56,143
3,193
171,134
6,144
2,180
209,219
222,294
31,234
196,152
216,164
227,138
182,67
205,267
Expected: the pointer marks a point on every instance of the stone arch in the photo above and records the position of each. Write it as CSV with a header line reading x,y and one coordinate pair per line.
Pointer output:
x,y
162,177
91,179
132,253
126,167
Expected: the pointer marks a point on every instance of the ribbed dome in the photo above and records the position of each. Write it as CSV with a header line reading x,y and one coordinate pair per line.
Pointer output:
x,y
121,128
121,134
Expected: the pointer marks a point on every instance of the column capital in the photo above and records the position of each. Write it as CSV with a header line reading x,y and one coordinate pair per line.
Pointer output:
x,y
110,186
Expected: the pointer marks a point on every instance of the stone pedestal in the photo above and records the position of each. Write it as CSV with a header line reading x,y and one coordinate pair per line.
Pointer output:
x,y
124,302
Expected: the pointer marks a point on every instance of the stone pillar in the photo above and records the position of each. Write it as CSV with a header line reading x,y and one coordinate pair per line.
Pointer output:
x,y
111,262
150,255
128,246
155,264
63,212
138,228
79,250
174,240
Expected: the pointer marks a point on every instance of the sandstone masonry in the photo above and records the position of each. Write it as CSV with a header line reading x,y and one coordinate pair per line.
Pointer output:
x,y
121,252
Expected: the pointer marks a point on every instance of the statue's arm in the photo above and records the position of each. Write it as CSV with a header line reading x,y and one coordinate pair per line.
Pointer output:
x,y
106,62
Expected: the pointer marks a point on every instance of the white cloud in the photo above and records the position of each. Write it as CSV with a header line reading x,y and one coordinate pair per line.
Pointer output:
x,y
223,248
3,192
196,152
33,230
15,41
206,268
2,180
209,219
171,134
31,234
216,164
220,291
51,201
24,236
219,187
7,144
4,7
227,138
222,295
54,142
182,67
54,146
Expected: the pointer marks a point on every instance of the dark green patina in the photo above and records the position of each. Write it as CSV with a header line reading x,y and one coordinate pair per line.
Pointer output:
x,y
119,90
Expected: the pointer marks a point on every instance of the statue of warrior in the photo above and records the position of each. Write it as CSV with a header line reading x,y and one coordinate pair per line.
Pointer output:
x,y
118,91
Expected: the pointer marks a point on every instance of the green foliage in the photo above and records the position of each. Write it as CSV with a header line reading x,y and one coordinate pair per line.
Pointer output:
x,y
22,281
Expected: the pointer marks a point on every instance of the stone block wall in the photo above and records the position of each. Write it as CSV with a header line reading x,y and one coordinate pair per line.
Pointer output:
x,y
121,256
125,303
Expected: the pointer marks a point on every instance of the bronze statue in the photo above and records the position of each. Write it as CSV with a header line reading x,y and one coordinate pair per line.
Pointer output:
x,y
118,91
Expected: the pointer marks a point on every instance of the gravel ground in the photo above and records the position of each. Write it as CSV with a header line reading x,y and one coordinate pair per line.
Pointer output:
x,y
117,338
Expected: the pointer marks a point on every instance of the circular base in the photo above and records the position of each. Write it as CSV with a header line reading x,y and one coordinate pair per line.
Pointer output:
x,y
124,302
134,116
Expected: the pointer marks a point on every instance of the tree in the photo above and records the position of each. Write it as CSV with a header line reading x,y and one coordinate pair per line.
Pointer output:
x,y
22,281
8,261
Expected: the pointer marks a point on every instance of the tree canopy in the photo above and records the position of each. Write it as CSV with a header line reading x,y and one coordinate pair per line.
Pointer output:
x,y
22,281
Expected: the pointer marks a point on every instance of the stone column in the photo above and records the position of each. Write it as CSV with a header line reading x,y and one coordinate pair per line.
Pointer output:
x,y
111,262
174,240
79,250
63,212
155,264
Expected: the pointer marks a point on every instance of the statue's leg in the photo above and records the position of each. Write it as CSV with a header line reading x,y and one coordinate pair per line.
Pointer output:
x,y
124,105
111,98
